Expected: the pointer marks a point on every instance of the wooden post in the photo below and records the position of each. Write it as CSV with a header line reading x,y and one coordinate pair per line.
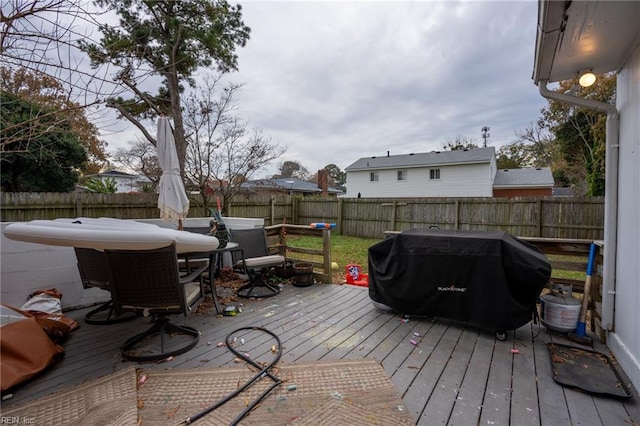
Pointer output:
x,y
326,253
539,218
78,204
273,210
294,210
339,219
393,215
456,224
282,240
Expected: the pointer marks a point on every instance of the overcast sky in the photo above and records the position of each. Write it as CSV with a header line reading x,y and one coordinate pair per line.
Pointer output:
x,y
336,81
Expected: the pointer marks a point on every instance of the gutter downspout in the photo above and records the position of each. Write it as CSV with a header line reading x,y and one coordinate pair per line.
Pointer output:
x,y
610,194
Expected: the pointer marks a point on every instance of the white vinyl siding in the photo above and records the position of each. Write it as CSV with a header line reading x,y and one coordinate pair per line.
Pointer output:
x,y
624,341
465,180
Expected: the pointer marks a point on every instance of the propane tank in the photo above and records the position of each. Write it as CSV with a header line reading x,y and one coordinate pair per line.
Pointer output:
x,y
559,310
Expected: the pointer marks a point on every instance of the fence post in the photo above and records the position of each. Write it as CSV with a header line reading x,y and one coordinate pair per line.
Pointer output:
x,y
339,219
393,215
78,204
456,225
294,209
326,250
539,218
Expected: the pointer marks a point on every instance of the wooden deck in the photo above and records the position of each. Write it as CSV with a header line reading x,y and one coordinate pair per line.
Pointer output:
x,y
455,374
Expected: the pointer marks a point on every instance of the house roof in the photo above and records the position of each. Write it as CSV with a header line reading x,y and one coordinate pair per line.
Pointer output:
x,y
122,175
529,177
114,173
579,35
433,158
287,184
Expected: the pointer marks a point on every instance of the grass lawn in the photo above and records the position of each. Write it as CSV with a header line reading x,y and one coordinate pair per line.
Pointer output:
x,y
345,250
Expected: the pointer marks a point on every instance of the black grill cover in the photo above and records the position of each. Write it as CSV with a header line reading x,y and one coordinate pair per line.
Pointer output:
x,y
492,279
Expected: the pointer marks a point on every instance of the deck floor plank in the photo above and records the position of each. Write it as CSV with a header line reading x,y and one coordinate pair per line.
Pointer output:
x,y
447,388
435,358
386,324
409,360
524,396
553,407
496,404
468,405
454,374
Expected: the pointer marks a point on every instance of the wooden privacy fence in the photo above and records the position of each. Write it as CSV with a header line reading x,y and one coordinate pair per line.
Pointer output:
x,y
25,206
577,218
581,218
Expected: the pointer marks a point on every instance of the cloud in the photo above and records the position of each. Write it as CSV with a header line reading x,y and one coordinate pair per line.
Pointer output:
x,y
336,81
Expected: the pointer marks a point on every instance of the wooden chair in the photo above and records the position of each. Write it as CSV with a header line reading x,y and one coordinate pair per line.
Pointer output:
x,y
148,282
256,261
94,272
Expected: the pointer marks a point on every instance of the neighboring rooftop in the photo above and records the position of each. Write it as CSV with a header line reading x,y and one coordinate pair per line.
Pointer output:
x,y
476,155
531,177
287,184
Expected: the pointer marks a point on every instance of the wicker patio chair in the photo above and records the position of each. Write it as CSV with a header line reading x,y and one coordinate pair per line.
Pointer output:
x,y
94,272
256,262
149,282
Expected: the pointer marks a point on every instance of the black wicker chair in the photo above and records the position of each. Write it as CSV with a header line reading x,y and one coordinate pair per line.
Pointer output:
x,y
94,273
149,282
257,261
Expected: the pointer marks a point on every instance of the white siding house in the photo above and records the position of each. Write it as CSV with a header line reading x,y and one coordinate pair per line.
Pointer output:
x,y
459,173
125,182
604,36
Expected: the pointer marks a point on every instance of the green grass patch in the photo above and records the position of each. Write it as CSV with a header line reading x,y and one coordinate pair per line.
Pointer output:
x,y
344,249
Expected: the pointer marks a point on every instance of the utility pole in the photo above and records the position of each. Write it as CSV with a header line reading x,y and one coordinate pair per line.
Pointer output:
x,y
485,134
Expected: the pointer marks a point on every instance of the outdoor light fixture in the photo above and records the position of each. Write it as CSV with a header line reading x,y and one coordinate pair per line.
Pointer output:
x,y
587,78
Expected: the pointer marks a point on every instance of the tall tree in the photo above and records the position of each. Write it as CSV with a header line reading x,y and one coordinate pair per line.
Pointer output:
x,y
222,151
534,147
459,143
292,169
336,177
49,162
40,37
142,158
166,42
581,132
56,113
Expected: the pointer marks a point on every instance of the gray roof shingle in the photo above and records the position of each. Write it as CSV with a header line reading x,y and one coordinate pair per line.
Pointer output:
x,y
540,176
433,158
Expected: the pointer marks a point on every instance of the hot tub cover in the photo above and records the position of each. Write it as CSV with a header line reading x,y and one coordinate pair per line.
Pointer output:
x,y
492,279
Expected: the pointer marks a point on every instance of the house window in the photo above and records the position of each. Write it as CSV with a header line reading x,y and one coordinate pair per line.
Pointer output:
x,y
373,176
434,174
402,175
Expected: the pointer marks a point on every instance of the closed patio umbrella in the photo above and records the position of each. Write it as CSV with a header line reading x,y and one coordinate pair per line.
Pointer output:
x,y
172,200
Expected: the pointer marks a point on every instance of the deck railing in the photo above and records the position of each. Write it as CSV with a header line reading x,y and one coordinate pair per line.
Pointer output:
x,y
569,258
319,258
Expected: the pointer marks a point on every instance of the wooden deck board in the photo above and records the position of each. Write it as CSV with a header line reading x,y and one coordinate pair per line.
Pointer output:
x,y
454,374
551,399
468,405
496,404
524,394
447,388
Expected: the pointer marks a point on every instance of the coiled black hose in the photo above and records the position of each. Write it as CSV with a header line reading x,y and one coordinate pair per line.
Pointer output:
x,y
264,372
